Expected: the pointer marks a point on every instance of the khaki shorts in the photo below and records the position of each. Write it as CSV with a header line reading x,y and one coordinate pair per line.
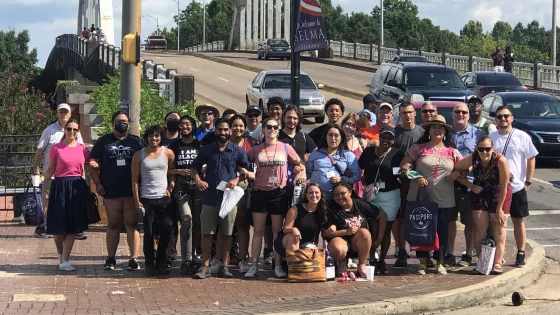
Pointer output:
x,y
124,204
209,220
46,190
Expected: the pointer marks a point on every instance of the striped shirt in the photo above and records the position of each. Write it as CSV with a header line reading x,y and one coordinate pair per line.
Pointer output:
x,y
51,136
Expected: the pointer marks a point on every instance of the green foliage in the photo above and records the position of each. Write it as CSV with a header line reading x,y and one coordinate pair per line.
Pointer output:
x,y
502,31
153,107
15,56
473,29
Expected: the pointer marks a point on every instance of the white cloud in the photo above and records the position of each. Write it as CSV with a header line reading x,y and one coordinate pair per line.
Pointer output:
x,y
486,15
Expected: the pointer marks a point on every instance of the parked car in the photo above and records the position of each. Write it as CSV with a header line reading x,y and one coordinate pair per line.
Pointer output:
x,y
486,82
537,114
406,58
156,42
271,83
274,48
444,108
418,81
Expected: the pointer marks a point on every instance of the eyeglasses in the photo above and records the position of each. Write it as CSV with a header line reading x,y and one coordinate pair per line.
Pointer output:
x,y
270,127
350,126
431,111
464,112
253,115
340,195
504,116
208,113
70,129
484,149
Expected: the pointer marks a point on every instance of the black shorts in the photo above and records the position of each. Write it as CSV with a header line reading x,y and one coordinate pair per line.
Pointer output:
x,y
463,206
519,204
271,202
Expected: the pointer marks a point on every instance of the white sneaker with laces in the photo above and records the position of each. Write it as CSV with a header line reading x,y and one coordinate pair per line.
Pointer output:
x,y
59,258
279,272
215,266
253,271
66,266
243,266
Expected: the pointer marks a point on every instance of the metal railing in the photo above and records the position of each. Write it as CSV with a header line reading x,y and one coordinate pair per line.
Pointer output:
x,y
163,78
213,46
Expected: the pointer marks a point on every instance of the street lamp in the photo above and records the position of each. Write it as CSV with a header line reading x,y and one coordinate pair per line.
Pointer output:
x,y
381,23
178,25
155,18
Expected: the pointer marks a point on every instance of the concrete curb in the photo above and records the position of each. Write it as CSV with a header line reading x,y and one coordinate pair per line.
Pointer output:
x,y
459,298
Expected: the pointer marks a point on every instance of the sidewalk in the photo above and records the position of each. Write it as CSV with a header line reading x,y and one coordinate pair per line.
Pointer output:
x,y
32,284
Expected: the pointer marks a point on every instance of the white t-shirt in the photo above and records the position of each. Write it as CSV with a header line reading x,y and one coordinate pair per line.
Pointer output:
x,y
256,134
480,125
519,150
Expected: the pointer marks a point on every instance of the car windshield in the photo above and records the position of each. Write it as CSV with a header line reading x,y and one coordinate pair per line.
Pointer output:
x,y
433,77
445,111
542,108
282,81
497,79
278,43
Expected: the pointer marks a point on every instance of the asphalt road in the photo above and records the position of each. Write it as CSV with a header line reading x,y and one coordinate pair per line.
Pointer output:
x,y
225,86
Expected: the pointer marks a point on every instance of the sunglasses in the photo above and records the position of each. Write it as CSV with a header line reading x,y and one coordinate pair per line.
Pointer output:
x,y
70,129
253,115
504,116
484,149
270,127
431,111
464,112
208,113
387,136
340,195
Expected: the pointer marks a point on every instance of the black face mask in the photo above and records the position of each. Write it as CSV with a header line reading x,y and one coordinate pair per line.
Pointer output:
x,y
121,127
224,138
173,125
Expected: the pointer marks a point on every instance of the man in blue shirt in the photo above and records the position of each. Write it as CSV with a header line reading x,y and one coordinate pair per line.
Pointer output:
x,y
371,103
223,160
464,137
207,114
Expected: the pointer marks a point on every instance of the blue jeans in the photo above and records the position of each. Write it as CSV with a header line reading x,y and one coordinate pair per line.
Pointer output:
x,y
444,216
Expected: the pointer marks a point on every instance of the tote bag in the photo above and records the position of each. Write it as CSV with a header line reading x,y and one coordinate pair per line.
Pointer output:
x,y
486,258
306,265
31,205
421,220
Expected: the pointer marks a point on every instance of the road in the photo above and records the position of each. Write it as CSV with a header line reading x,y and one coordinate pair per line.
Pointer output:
x,y
225,86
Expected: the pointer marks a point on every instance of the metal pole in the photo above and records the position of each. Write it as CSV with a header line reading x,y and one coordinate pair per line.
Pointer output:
x,y
178,27
295,62
382,31
131,73
553,58
204,22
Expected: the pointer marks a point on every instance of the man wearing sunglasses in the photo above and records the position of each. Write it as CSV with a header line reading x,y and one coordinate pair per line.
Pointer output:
x,y
476,119
254,126
50,136
520,153
428,111
464,138
384,118
207,114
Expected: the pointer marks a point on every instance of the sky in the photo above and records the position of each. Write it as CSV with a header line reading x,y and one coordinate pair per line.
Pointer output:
x,y
46,19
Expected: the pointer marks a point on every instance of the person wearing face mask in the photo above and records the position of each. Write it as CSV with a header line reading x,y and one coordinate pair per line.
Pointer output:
x,y
207,114
171,128
187,197
384,118
110,170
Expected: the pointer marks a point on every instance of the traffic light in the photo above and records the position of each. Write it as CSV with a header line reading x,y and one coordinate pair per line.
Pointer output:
x,y
131,48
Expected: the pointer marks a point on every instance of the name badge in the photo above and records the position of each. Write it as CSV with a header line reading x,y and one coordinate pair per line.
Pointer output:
x,y
331,174
121,162
222,185
381,185
273,180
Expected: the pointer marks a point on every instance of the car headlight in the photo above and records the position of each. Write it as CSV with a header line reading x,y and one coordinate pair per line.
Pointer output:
x,y
316,101
417,98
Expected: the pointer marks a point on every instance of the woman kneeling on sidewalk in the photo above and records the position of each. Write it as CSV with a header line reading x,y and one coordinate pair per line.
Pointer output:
x,y
347,231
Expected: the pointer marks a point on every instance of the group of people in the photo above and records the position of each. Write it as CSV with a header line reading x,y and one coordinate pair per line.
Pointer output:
x,y
503,61
345,182
94,33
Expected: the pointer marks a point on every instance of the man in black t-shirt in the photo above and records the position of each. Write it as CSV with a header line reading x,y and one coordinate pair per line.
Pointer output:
x,y
187,197
291,133
110,163
334,108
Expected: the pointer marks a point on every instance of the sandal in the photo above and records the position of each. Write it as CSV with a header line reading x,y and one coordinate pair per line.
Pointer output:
x,y
362,270
498,269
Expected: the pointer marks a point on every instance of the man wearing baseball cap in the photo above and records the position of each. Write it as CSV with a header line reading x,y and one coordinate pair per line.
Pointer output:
x,y
253,115
476,120
49,137
371,102
384,118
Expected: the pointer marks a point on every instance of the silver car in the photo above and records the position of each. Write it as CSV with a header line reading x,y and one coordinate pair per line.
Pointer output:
x,y
271,83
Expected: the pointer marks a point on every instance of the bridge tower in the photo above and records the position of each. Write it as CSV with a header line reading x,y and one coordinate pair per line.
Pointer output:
x,y
257,20
98,13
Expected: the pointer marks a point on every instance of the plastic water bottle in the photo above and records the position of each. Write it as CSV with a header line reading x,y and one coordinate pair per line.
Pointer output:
x,y
329,266
297,194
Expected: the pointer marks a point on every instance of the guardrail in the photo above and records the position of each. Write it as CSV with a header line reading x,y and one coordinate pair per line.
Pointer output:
x,y
212,46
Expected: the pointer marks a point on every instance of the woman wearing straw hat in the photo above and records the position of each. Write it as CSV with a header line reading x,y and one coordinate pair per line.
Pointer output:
x,y
434,158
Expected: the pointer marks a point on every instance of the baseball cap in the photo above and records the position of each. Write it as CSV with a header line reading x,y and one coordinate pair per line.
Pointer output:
x,y
387,129
474,100
63,106
385,104
370,98
253,108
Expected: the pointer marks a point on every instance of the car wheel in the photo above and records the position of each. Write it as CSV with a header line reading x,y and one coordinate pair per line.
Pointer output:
x,y
259,56
320,119
289,58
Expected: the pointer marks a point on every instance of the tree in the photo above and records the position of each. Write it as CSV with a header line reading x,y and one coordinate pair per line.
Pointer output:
x,y
518,34
365,30
400,21
472,29
15,56
218,25
502,31
336,21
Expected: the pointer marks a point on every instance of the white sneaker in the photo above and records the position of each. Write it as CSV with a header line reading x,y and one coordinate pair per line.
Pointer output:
x,y
376,256
215,266
279,272
351,264
253,271
243,266
59,258
66,266
441,269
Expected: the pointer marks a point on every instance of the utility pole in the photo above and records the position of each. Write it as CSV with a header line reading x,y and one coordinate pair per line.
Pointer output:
x,y
203,23
157,21
382,31
295,62
553,58
178,26
131,73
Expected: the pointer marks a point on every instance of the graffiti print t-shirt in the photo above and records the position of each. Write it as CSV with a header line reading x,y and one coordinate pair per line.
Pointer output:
x,y
271,161
115,160
359,215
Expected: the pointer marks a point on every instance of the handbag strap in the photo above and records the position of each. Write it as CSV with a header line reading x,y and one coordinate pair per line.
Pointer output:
x,y
418,194
379,168
333,162
302,255
507,142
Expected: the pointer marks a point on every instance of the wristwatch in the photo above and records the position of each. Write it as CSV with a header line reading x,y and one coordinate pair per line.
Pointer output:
x,y
528,183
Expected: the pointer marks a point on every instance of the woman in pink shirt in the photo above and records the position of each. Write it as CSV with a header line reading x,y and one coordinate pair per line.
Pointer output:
x,y
68,195
271,176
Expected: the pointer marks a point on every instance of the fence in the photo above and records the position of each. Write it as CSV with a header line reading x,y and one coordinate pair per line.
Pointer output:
x,y
213,46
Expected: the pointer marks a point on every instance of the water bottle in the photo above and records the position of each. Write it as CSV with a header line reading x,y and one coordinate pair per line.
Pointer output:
x,y
297,194
329,266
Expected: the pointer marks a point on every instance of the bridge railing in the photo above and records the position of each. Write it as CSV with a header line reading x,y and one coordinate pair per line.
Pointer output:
x,y
212,46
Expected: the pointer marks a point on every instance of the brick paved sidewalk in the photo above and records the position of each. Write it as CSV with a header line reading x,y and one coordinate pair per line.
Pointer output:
x,y
29,266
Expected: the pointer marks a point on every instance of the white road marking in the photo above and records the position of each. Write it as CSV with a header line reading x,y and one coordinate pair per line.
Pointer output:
x,y
539,229
553,245
193,69
542,181
174,63
543,212
223,79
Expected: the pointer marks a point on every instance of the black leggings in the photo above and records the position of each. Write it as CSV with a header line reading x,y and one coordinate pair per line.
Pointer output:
x,y
158,213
